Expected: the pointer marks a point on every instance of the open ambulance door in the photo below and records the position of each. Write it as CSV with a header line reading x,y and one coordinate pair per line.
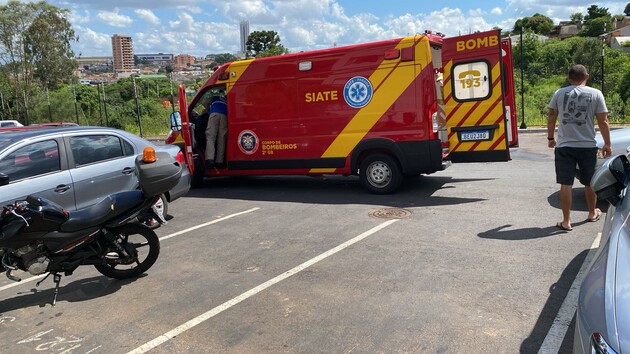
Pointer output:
x,y
183,112
474,98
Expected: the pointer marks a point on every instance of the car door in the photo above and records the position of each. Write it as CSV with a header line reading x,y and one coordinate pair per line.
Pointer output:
x,y
474,97
103,164
39,168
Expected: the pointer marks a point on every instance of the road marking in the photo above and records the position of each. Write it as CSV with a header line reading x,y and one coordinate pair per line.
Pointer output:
x,y
9,286
561,323
29,279
244,296
208,223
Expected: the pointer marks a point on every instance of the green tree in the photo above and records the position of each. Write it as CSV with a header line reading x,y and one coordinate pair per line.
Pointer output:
x,y
538,23
597,26
577,18
624,87
224,58
595,11
277,50
261,41
532,53
626,11
35,49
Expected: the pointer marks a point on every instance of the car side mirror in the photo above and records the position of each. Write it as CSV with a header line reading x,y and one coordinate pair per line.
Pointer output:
x,y
611,178
4,179
176,121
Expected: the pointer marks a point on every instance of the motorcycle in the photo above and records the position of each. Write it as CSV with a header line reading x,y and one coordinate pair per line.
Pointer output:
x,y
38,236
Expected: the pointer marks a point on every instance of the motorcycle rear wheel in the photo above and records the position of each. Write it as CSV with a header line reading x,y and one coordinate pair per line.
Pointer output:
x,y
135,239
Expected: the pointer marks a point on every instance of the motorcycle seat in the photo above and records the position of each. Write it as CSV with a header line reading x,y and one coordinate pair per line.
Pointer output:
x,y
106,209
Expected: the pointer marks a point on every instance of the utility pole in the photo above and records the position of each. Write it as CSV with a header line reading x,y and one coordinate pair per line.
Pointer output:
x,y
523,125
100,111
135,97
49,108
170,80
105,105
76,108
603,47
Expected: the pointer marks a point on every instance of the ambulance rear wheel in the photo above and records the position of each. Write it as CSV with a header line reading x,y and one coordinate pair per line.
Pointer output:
x,y
380,174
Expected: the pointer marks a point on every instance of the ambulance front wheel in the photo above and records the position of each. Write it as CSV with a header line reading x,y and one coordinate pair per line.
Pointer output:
x,y
380,174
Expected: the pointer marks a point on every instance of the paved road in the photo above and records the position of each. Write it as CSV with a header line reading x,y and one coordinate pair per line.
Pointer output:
x,y
474,264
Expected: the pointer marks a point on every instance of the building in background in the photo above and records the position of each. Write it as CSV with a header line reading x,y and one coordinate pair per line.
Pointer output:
x,y
159,58
244,35
184,60
122,50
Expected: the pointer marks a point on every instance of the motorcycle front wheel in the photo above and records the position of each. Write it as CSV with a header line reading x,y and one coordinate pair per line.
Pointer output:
x,y
141,249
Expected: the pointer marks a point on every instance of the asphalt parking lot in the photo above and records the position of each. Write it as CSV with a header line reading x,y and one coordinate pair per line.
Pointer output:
x,y
467,260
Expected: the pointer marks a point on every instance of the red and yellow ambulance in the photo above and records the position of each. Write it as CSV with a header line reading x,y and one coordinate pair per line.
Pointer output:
x,y
371,110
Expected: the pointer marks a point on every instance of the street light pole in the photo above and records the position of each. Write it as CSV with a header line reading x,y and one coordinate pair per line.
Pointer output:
x,y
603,47
523,125
76,108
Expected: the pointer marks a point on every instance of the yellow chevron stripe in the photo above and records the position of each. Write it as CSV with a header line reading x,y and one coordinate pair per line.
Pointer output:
x,y
237,67
391,87
472,119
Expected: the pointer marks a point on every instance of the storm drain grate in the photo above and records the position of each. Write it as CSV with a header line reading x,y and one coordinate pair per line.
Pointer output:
x,y
389,213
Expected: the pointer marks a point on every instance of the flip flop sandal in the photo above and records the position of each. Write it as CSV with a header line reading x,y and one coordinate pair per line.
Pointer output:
x,y
596,218
561,227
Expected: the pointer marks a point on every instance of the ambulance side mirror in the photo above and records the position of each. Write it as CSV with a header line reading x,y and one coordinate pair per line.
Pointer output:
x,y
176,121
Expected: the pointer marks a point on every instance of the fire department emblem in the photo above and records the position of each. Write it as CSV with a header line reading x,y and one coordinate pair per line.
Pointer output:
x,y
358,92
248,142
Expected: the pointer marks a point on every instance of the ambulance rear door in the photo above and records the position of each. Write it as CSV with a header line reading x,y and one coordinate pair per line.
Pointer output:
x,y
474,98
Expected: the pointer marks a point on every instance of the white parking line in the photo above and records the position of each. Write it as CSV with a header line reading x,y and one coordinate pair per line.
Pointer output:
x,y
29,279
244,296
208,223
561,323
9,286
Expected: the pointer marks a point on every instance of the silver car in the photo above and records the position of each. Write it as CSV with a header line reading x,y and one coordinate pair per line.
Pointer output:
x,y
603,313
75,166
619,141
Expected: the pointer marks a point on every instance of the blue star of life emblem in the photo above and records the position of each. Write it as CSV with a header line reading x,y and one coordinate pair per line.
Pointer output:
x,y
358,92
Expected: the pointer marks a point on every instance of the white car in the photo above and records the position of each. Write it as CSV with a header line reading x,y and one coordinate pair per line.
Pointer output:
x,y
10,124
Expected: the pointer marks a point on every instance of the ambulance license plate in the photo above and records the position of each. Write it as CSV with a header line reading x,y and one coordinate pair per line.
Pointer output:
x,y
475,135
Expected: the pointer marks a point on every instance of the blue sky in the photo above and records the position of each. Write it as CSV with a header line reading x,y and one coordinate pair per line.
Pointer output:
x,y
201,27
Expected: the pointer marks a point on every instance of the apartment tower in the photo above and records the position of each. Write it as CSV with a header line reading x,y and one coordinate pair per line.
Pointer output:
x,y
244,34
122,49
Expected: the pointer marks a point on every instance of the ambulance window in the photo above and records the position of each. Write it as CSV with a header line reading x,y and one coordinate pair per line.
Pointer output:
x,y
471,81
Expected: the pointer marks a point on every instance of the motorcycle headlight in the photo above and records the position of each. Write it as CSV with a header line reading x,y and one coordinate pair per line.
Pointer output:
x,y
599,345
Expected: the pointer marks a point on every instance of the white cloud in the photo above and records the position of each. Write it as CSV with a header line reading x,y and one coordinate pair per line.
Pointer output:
x,y
475,12
199,27
114,19
148,16
77,17
92,43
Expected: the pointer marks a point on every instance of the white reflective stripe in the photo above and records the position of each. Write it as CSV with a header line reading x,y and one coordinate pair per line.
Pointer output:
x,y
188,148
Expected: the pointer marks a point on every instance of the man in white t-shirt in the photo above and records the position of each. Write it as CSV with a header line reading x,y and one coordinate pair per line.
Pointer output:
x,y
577,106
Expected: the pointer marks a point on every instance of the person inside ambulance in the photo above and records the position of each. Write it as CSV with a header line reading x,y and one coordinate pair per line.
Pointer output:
x,y
216,133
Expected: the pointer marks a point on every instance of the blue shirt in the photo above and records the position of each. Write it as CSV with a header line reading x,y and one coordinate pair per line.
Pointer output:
x,y
218,107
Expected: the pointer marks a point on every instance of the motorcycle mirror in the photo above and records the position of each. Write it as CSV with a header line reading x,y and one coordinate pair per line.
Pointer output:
x,y
4,179
176,121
